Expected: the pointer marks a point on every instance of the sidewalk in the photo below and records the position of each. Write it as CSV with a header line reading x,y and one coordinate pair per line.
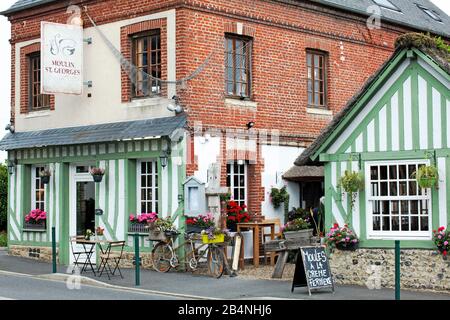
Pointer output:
x,y
223,288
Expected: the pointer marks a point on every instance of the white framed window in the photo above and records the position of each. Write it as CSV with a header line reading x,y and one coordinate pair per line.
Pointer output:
x,y
147,186
237,181
396,206
37,189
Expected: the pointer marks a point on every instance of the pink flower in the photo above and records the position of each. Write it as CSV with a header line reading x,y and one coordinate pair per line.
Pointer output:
x,y
445,243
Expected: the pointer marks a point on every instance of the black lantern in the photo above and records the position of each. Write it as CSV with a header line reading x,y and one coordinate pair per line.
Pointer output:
x,y
12,166
164,158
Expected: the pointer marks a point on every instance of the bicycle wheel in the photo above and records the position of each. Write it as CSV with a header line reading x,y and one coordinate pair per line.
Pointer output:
x,y
161,257
216,261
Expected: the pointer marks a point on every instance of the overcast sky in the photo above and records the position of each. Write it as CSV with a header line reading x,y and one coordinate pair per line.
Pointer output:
x,y
5,57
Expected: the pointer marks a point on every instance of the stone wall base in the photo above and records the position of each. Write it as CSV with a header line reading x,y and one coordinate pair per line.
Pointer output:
x,y
375,268
32,252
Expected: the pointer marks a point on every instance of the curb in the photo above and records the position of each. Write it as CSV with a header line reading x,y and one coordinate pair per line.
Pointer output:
x,y
61,277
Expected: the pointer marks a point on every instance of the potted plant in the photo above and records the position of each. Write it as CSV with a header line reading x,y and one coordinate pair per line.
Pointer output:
x,y
279,196
99,231
36,219
441,238
161,229
139,223
88,234
319,237
236,214
45,176
342,238
352,182
427,176
200,223
97,174
297,230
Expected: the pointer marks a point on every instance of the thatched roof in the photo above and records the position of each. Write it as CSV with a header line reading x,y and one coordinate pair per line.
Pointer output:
x,y
426,44
302,173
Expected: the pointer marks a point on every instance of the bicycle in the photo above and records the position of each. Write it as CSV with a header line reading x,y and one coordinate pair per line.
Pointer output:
x,y
164,256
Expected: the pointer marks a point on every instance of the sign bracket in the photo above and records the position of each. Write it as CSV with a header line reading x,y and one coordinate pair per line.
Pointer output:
x,y
88,40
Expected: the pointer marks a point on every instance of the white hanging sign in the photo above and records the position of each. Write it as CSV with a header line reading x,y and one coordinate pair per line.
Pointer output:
x,y
61,58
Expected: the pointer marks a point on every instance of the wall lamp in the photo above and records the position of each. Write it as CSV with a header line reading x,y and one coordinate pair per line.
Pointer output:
x,y
250,125
12,166
10,127
164,158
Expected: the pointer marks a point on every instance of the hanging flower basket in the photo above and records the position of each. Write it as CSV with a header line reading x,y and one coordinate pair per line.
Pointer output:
x,y
427,176
45,176
97,174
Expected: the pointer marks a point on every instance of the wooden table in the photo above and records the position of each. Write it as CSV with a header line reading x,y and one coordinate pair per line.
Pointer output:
x,y
256,227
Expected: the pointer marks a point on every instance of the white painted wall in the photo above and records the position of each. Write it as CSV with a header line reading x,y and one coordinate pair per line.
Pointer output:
x,y
206,150
103,69
278,160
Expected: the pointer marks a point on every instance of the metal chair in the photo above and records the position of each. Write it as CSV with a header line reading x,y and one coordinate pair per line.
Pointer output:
x,y
77,254
110,258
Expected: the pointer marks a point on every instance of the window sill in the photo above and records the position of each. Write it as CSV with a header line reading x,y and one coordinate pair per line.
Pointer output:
x,y
38,114
34,230
319,111
230,102
146,102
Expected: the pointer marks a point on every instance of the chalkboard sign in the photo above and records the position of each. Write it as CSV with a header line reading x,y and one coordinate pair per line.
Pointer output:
x,y
312,269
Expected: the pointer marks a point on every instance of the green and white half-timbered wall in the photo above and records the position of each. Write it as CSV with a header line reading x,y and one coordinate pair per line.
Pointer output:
x,y
118,195
401,121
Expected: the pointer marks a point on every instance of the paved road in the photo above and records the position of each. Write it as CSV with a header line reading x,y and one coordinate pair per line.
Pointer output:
x,y
13,287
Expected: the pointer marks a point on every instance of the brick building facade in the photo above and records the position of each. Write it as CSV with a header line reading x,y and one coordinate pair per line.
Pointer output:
x,y
279,36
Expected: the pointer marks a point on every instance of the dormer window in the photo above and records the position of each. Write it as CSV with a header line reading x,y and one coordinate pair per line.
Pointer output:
x,y
431,13
386,4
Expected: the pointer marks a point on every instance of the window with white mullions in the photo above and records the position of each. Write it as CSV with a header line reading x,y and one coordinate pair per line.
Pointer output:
x,y
397,206
147,186
237,181
37,189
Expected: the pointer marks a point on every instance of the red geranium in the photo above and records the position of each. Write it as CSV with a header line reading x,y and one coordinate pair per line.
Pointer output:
x,y
237,213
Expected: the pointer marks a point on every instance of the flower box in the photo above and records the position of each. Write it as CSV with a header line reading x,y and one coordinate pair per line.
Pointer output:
x,y
220,238
138,228
299,236
347,246
193,229
35,226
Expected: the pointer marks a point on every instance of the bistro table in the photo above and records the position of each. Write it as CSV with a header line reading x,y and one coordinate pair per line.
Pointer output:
x,y
89,247
256,227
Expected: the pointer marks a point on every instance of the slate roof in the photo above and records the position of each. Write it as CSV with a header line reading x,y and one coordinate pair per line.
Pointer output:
x,y
411,15
93,133
411,40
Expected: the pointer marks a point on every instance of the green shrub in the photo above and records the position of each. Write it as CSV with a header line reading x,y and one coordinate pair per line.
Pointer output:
x,y
3,239
3,196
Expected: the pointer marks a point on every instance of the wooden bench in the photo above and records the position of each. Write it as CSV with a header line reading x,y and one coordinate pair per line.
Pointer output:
x,y
282,247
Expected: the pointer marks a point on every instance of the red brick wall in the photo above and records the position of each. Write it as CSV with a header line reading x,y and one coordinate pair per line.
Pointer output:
x,y
25,77
281,32
126,49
